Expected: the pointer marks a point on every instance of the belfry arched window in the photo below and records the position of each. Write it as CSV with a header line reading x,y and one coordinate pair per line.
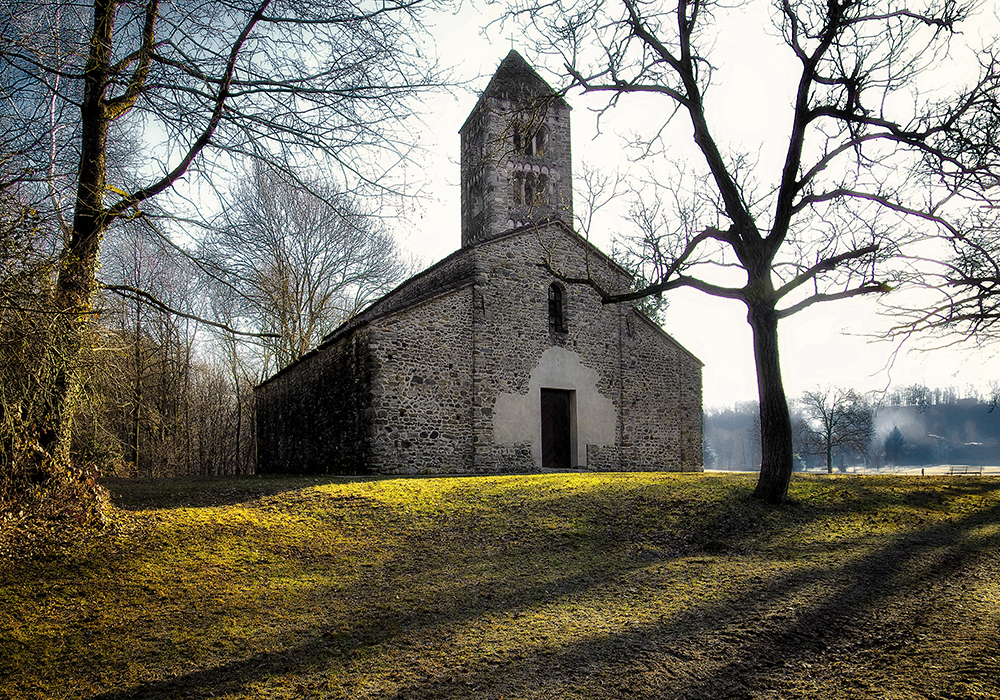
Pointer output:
x,y
530,142
531,188
557,309
540,141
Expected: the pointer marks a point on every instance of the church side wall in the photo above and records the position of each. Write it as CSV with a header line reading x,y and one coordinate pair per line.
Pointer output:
x,y
662,402
314,417
422,387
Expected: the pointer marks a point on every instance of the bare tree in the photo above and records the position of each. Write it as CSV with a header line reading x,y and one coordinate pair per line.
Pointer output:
x,y
594,191
836,419
853,187
960,290
297,258
266,79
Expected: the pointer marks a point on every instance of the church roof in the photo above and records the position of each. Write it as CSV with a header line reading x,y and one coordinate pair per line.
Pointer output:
x,y
515,80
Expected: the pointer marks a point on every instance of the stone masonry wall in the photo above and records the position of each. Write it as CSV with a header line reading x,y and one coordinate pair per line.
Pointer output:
x,y
654,384
661,401
422,387
314,417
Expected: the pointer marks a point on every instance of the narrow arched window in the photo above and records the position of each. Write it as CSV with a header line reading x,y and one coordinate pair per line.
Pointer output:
x,y
541,191
529,188
541,138
529,141
557,311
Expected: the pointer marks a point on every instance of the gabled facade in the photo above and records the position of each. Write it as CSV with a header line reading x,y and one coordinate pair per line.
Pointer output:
x,y
486,362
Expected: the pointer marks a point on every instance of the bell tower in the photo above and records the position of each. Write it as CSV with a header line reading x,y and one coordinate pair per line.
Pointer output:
x,y
516,160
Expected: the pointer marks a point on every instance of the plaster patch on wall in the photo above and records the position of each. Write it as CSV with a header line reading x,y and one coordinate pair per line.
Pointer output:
x,y
517,417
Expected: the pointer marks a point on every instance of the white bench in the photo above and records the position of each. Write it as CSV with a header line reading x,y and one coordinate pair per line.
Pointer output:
x,y
957,469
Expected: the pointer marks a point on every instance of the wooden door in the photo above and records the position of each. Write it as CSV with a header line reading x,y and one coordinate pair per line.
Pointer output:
x,y
556,428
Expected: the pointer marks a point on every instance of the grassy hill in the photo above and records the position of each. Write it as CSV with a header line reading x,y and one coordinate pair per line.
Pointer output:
x,y
552,586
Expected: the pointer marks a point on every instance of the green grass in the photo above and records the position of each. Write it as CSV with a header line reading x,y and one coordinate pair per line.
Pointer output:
x,y
551,586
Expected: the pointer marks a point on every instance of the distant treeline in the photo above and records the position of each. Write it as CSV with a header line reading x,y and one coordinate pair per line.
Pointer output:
x,y
914,426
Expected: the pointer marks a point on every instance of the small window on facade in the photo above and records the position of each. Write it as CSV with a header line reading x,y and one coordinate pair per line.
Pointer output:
x,y
541,136
523,141
530,188
557,318
529,143
541,189
530,193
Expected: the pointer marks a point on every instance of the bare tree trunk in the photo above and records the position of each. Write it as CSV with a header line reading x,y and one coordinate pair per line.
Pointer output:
x,y
186,388
136,392
234,368
74,288
252,465
775,421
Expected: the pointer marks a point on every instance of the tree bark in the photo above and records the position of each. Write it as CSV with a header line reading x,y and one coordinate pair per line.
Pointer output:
x,y
775,421
76,282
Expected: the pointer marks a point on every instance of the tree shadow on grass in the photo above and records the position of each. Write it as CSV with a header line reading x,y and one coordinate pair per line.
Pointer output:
x,y
203,491
746,644
754,632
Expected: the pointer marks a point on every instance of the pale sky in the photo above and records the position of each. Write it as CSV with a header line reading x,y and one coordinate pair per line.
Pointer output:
x,y
826,345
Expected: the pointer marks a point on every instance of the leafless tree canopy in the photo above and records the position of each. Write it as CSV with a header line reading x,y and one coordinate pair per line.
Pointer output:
x,y
855,185
959,291
116,107
296,259
199,84
836,419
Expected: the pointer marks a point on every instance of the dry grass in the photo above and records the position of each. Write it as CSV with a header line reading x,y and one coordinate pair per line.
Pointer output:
x,y
553,586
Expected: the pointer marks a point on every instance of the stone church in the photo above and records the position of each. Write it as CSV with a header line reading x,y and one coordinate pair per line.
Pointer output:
x,y
487,362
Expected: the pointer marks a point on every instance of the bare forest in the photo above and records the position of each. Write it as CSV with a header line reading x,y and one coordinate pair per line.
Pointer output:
x,y
189,200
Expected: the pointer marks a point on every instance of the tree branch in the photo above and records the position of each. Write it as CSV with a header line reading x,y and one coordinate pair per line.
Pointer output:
x,y
824,266
204,139
884,201
134,294
121,104
622,86
871,288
